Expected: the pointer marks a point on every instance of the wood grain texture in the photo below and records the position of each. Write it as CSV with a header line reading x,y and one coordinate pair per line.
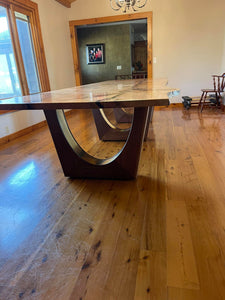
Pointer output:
x,y
109,19
95,239
76,57
66,3
151,276
181,265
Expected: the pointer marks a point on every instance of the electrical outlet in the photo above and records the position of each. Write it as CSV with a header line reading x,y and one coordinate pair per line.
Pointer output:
x,y
119,67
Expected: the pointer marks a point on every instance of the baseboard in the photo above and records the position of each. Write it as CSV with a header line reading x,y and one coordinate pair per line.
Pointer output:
x,y
176,104
24,131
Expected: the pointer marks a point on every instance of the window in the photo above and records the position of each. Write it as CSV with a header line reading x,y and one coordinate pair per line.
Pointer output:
x,y
27,49
23,68
9,80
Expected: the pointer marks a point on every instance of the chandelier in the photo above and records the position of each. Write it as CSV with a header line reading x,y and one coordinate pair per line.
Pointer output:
x,y
125,5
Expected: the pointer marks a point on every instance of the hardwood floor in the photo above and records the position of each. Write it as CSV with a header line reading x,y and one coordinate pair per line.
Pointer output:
x,y
161,236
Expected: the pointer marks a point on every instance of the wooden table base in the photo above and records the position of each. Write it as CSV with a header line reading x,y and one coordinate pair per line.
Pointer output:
x,y
109,132
76,163
122,116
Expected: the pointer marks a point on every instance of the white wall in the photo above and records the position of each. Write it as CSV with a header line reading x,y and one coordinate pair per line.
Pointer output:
x,y
223,62
13,122
56,36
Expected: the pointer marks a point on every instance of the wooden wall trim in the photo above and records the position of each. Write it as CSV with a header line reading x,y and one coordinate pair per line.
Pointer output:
x,y
149,46
125,17
74,42
65,3
22,132
21,3
6,112
76,58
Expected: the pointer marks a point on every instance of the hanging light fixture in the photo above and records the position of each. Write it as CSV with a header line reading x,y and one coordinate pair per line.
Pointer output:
x,y
125,5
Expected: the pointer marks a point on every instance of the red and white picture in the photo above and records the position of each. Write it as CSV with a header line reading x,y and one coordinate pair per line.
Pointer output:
x,y
95,54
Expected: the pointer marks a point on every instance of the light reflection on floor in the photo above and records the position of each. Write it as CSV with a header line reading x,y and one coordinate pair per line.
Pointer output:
x,y
18,211
24,175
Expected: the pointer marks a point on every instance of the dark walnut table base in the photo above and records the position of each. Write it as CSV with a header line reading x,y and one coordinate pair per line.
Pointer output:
x,y
77,163
109,132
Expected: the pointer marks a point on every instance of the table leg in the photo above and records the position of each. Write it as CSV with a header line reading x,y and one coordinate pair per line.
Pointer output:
x,y
106,130
77,163
109,132
122,116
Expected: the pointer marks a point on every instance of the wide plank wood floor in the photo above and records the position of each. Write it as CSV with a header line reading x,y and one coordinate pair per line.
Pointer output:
x,y
159,237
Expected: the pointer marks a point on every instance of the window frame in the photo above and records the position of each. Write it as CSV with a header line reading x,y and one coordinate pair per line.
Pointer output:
x,y
30,9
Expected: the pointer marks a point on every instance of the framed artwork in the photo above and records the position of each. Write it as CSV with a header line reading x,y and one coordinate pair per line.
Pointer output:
x,y
95,54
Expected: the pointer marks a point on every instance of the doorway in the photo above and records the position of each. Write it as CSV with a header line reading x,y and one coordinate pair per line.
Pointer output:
x,y
77,25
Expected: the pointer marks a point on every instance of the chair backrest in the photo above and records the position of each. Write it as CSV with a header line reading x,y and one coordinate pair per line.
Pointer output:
x,y
119,77
223,82
219,82
139,75
133,76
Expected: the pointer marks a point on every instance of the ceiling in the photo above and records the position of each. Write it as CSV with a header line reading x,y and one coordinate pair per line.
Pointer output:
x,y
66,3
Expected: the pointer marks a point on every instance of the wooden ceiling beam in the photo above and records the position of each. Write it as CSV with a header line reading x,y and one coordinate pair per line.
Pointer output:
x,y
66,3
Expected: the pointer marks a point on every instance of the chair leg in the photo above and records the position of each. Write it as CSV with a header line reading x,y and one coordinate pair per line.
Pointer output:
x,y
218,97
200,102
203,100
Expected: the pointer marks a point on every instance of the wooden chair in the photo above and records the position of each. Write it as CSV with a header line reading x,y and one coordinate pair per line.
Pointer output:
x,y
123,77
139,75
213,94
135,75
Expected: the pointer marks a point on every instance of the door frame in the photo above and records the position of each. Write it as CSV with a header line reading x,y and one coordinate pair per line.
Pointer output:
x,y
74,40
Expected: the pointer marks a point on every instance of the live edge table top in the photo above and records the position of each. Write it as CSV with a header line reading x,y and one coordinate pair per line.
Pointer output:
x,y
106,94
